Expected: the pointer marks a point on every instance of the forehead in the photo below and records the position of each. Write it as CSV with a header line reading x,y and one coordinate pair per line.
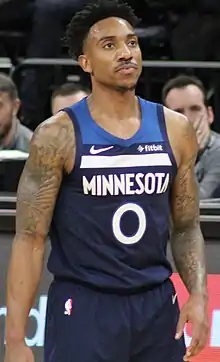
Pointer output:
x,y
112,26
183,97
4,97
69,99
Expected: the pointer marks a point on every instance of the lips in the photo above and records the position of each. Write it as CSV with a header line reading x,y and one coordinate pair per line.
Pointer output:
x,y
126,67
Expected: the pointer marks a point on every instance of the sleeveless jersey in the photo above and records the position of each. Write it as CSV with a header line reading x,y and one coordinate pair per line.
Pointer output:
x,y
111,220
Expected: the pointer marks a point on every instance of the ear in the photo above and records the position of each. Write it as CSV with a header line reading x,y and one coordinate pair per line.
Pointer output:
x,y
85,64
16,106
210,115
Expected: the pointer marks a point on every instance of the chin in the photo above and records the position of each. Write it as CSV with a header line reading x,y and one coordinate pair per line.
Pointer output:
x,y
125,87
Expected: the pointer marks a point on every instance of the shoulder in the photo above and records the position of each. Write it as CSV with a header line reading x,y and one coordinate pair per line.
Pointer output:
x,y
147,103
215,140
54,138
55,127
181,134
25,131
176,122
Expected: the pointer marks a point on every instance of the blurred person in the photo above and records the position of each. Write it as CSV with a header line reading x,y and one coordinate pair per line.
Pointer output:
x,y
45,41
13,135
66,95
104,176
186,94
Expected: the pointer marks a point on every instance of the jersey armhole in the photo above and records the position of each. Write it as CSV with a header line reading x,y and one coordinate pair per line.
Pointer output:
x,y
78,139
163,129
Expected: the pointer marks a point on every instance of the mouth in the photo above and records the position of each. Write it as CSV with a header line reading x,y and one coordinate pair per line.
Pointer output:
x,y
126,68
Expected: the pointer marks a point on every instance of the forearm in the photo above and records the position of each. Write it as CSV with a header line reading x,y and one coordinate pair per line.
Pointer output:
x,y
23,278
187,246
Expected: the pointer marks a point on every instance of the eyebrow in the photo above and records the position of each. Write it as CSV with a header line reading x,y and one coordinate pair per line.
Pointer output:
x,y
113,37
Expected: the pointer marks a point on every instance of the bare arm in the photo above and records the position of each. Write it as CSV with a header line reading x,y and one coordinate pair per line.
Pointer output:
x,y
37,193
187,242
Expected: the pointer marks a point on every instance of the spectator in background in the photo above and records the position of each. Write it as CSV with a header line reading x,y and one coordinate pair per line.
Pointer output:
x,y
186,94
49,22
66,95
13,135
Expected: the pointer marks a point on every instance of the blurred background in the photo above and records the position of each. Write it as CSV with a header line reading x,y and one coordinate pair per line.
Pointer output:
x,y
171,30
180,41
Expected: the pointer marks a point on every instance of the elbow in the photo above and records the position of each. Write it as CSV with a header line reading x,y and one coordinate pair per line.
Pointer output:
x,y
184,225
34,241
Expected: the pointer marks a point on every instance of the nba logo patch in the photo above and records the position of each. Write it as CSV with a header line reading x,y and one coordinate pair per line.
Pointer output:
x,y
68,307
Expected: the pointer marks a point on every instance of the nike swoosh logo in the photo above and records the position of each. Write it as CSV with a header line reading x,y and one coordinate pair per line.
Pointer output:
x,y
93,151
174,298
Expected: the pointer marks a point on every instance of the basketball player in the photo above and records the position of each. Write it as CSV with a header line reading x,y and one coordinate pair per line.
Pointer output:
x,y
104,176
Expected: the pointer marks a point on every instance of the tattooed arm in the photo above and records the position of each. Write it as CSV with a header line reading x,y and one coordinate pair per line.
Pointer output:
x,y
187,242
49,156
186,239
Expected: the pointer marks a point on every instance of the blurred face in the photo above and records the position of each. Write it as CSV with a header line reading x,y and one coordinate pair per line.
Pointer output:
x,y
190,102
8,110
112,55
60,102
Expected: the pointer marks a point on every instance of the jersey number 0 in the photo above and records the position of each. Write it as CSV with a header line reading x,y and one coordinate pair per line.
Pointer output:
x,y
116,223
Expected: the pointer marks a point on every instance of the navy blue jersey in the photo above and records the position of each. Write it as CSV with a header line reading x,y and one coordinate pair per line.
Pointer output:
x,y
111,220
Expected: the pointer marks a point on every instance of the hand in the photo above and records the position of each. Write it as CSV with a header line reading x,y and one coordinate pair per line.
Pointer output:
x,y
195,312
202,129
18,352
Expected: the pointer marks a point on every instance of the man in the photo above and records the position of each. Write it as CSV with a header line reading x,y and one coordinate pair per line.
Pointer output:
x,y
13,135
186,94
103,177
66,95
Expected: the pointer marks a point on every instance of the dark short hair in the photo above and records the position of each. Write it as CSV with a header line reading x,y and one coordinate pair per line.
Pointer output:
x,y
68,89
182,81
93,12
8,86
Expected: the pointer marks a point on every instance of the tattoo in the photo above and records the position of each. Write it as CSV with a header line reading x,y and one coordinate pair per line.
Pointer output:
x,y
187,200
187,242
41,177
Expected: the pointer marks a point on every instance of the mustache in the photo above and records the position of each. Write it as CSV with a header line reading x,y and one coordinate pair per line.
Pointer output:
x,y
126,64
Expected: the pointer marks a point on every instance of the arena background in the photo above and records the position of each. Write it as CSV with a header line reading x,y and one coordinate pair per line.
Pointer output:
x,y
176,37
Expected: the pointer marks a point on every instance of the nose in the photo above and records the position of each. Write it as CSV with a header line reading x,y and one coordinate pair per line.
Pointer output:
x,y
124,53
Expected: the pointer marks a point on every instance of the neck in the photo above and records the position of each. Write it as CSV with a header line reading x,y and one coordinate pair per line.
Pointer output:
x,y
7,140
113,103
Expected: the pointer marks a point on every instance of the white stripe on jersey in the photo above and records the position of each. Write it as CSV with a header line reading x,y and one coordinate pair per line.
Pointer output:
x,y
158,159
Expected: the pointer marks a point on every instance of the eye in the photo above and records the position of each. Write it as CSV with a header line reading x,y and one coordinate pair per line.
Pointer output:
x,y
133,43
108,46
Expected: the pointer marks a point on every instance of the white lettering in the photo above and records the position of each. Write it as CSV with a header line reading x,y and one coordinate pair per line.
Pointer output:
x,y
165,184
160,177
215,335
107,185
39,315
150,183
153,148
99,185
89,186
140,183
126,184
129,184
214,331
119,182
